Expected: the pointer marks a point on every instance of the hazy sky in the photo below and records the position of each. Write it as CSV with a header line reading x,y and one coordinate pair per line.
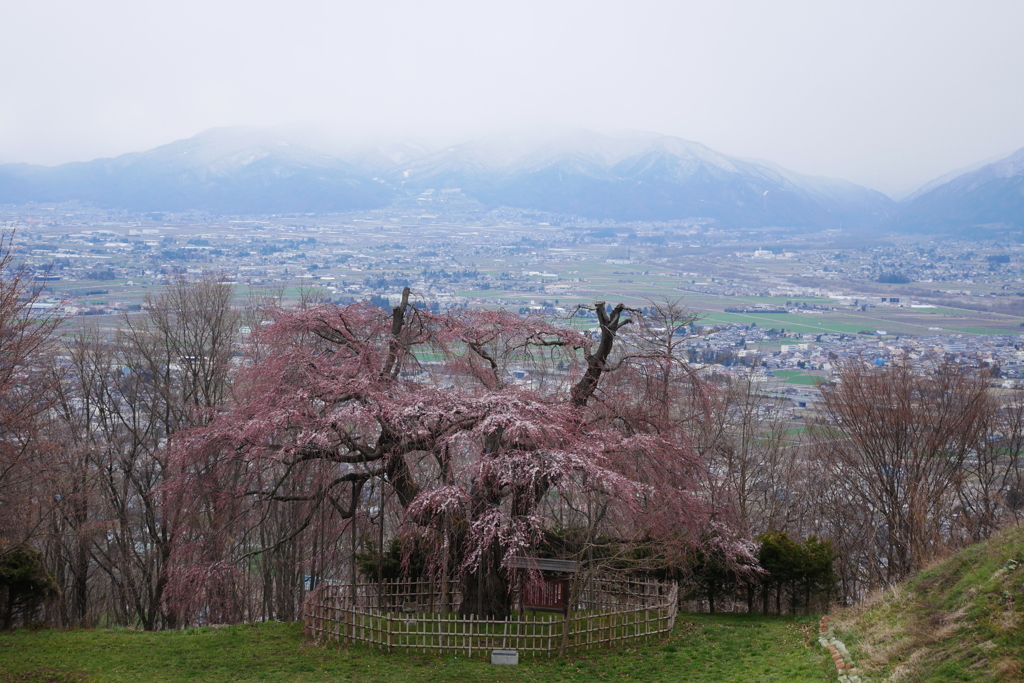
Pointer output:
x,y
888,94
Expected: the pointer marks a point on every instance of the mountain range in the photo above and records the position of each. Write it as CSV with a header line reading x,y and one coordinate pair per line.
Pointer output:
x,y
985,198
623,176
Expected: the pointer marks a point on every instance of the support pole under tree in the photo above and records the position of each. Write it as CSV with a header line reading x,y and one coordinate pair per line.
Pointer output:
x,y
567,613
380,549
352,549
444,573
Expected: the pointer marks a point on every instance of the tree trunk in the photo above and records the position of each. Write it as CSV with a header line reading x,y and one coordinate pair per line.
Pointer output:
x,y
81,584
485,592
9,609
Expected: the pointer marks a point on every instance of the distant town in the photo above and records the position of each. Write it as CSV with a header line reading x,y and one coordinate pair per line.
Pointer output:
x,y
782,307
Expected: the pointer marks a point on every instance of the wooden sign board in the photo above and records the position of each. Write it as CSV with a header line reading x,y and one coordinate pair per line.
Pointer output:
x,y
550,596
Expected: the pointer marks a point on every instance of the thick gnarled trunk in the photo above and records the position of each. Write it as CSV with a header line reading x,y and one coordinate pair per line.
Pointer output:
x,y
485,592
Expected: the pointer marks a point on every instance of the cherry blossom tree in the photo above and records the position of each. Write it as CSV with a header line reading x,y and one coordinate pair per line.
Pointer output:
x,y
476,431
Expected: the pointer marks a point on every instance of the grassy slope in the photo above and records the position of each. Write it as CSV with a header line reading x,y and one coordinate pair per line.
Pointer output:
x,y
702,649
962,620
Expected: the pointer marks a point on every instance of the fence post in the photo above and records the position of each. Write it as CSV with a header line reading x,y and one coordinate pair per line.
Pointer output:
x,y
388,627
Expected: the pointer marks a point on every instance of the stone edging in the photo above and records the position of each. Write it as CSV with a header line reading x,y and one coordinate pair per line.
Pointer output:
x,y
840,655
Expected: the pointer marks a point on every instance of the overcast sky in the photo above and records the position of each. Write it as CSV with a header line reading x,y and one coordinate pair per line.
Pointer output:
x,y
887,94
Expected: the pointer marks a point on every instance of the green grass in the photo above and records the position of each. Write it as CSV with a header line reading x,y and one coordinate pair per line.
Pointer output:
x,y
798,377
702,649
809,380
962,620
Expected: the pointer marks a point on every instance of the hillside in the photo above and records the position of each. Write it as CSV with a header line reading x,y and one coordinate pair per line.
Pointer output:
x,y
962,620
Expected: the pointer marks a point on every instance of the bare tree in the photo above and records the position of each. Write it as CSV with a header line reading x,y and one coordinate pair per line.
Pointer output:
x,y
25,342
84,434
988,490
120,402
897,441
749,447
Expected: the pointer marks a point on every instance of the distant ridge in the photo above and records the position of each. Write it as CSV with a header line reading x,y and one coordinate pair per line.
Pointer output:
x,y
987,198
623,176
943,179
641,176
226,170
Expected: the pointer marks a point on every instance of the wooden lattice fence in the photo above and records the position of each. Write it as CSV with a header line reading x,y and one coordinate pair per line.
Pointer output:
x,y
418,616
